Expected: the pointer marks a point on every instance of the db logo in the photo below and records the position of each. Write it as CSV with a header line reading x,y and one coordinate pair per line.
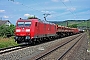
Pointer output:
x,y
22,30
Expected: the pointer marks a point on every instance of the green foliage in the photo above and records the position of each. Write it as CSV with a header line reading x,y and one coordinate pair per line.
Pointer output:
x,y
73,26
84,23
32,17
7,30
11,29
88,23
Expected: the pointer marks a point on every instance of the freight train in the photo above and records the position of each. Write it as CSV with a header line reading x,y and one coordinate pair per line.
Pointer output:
x,y
34,30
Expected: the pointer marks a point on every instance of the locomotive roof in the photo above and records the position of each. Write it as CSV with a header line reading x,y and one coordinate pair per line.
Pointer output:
x,y
37,20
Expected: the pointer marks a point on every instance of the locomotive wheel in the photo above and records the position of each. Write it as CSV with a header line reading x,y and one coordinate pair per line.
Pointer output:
x,y
30,42
18,41
33,41
38,40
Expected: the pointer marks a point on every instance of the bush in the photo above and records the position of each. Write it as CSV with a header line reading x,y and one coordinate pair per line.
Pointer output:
x,y
6,31
73,26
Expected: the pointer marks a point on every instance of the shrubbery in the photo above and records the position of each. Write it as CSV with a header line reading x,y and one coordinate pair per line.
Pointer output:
x,y
73,26
7,31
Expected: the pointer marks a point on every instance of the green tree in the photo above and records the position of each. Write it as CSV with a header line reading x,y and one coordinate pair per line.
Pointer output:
x,y
7,30
10,30
73,26
3,30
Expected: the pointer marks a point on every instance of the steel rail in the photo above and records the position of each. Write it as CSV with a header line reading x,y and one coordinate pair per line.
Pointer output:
x,y
55,48
69,49
13,48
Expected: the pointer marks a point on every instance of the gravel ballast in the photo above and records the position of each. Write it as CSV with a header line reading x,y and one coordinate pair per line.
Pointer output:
x,y
29,52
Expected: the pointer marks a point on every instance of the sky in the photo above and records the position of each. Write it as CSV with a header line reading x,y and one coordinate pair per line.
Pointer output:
x,y
59,10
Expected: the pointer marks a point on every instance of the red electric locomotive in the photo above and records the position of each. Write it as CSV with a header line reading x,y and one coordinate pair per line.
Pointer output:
x,y
29,30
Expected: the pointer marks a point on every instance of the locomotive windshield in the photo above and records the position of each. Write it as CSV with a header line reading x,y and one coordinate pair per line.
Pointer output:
x,y
27,23
24,24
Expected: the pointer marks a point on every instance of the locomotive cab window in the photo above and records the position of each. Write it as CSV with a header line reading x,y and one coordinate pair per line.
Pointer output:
x,y
24,24
20,24
27,23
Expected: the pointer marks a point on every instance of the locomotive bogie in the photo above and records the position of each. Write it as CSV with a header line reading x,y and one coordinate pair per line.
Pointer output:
x,y
21,39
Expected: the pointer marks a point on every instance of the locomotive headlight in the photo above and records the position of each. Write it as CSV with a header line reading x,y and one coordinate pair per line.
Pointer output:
x,y
27,30
17,30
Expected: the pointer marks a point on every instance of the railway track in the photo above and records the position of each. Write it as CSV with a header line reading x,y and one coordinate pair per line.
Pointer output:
x,y
10,49
27,53
58,52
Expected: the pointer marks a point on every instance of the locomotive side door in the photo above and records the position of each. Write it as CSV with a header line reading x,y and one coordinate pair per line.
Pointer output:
x,y
37,29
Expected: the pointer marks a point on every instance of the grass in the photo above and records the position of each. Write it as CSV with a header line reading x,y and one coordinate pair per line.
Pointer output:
x,y
7,42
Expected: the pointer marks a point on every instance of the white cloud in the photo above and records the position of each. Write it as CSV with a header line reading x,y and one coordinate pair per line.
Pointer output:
x,y
65,0
55,0
6,16
2,10
45,11
27,15
71,9
50,12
